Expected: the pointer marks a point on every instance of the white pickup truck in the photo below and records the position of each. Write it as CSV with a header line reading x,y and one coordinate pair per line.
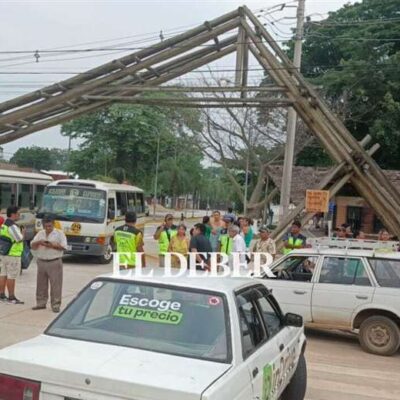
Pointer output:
x,y
350,285
183,338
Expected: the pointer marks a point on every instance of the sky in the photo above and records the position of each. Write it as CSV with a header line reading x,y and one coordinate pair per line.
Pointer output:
x,y
75,24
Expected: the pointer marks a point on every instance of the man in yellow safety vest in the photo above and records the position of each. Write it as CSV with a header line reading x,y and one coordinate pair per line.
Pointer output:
x,y
225,241
129,242
164,233
294,239
12,247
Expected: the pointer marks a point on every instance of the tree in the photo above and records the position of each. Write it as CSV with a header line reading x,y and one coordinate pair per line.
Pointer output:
x,y
353,56
33,157
60,159
240,140
121,141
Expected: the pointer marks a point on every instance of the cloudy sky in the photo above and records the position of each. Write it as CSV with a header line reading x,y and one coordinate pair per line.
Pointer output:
x,y
75,24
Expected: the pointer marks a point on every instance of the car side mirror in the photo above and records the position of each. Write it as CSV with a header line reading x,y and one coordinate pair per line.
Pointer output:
x,y
293,320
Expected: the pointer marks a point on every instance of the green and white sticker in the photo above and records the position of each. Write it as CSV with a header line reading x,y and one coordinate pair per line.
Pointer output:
x,y
267,382
144,314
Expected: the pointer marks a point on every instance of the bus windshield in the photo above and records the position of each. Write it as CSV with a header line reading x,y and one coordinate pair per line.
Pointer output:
x,y
74,204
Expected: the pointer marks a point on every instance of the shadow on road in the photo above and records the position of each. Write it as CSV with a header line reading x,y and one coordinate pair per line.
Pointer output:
x,y
336,335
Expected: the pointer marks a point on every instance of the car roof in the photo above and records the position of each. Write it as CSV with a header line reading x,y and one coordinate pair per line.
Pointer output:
x,y
87,183
220,284
349,252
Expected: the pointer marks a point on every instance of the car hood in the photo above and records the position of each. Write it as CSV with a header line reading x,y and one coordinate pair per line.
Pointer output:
x,y
109,370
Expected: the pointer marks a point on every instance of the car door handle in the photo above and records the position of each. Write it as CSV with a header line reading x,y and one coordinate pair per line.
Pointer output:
x,y
299,292
361,297
255,372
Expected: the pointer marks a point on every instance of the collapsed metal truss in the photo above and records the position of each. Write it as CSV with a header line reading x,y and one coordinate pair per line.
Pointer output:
x,y
128,78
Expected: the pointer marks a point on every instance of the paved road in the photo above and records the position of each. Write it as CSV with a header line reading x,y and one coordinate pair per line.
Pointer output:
x,y
338,368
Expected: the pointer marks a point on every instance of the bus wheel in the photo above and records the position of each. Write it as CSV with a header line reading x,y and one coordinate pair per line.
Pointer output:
x,y
107,256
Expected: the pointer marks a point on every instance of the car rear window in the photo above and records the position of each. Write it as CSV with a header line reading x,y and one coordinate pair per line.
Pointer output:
x,y
158,318
387,271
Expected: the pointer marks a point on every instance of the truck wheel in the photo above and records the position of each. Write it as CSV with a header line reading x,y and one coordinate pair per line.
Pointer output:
x,y
379,335
107,256
296,389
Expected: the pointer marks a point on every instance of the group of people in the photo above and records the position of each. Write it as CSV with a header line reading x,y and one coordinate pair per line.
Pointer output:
x,y
226,234
344,231
48,245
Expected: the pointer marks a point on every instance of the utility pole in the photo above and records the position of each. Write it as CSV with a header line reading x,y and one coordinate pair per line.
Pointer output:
x,y
246,185
68,156
156,176
292,120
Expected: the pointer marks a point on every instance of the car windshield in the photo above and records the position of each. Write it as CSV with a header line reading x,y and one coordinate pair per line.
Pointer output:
x,y
387,271
74,204
162,319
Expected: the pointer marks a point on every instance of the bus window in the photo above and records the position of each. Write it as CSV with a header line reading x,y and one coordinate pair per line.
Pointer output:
x,y
139,203
131,201
121,203
111,208
5,195
39,195
24,196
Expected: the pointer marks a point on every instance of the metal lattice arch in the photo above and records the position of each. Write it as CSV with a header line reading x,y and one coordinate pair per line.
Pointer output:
x,y
240,32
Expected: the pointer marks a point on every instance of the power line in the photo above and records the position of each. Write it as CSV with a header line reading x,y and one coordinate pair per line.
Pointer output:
x,y
161,34
365,67
355,22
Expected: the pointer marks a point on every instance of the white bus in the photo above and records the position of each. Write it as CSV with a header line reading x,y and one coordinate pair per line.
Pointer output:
x,y
25,190
89,211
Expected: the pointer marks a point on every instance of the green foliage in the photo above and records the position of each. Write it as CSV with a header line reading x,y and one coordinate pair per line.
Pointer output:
x,y
313,155
41,158
121,142
354,57
103,178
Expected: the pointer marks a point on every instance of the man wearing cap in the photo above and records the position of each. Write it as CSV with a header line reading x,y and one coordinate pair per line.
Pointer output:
x,y
163,234
294,239
265,244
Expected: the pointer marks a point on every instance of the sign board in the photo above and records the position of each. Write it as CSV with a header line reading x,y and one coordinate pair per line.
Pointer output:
x,y
317,201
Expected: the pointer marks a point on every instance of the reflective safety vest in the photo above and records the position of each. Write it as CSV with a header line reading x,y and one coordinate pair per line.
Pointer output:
x,y
165,238
298,242
127,239
17,248
226,244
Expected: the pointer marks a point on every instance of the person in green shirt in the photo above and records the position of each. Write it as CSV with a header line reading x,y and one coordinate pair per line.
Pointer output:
x,y
207,224
129,240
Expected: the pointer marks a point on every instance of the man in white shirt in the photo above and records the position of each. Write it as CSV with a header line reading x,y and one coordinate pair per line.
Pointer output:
x,y
48,246
238,244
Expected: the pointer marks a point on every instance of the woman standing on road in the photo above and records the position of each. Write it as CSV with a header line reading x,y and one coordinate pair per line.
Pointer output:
x,y
246,231
217,225
179,244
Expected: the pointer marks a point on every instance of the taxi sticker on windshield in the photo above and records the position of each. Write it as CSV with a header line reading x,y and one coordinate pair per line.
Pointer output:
x,y
214,301
157,311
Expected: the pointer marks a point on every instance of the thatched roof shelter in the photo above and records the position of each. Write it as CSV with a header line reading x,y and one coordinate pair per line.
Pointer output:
x,y
304,178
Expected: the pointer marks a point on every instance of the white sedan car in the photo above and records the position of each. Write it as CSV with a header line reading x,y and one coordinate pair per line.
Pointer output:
x,y
166,338
351,289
